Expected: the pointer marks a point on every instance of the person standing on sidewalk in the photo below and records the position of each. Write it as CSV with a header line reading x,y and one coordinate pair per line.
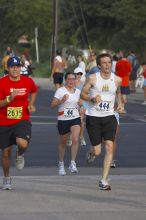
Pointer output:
x,y
123,69
100,91
132,58
67,98
17,99
82,66
59,66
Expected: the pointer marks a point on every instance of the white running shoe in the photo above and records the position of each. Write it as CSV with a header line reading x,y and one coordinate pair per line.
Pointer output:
x,y
143,103
61,170
113,164
7,183
72,167
82,141
19,162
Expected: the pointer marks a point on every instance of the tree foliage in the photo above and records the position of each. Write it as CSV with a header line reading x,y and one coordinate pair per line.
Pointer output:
x,y
18,17
108,24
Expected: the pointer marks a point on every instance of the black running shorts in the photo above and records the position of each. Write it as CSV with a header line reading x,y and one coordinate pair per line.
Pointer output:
x,y
8,134
64,126
101,128
125,90
58,78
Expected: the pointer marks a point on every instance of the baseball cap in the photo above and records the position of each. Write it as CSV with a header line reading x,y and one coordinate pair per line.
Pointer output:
x,y
94,69
14,61
78,70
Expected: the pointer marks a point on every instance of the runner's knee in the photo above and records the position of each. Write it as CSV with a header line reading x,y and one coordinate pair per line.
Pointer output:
x,y
22,143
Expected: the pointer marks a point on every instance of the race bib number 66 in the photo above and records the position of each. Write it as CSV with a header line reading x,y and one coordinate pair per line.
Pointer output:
x,y
14,112
70,112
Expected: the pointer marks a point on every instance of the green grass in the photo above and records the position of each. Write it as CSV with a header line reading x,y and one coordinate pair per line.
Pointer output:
x,y
41,70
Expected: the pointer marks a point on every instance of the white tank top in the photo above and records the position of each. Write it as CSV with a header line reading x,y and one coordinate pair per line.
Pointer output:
x,y
70,108
106,88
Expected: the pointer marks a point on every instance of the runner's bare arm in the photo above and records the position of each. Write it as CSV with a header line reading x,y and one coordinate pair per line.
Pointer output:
x,y
86,88
85,91
9,98
31,105
118,93
55,102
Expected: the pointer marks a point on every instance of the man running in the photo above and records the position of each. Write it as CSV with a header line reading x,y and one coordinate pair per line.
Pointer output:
x,y
15,108
100,91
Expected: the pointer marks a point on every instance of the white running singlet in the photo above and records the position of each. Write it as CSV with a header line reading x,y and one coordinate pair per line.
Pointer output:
x,y
106,88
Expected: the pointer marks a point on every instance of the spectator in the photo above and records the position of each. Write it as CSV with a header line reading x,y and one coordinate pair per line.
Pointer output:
x,y
144,84
82,66
123,70
4,62
135,65
58,70
92,63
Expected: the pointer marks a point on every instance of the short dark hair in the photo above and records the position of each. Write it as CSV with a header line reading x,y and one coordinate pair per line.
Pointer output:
x,y
102,55
69,73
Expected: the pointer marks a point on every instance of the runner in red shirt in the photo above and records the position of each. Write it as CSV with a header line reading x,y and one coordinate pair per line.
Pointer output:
x,y
17,98
123,70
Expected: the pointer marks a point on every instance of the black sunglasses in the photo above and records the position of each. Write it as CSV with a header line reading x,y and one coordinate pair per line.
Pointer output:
x,y
80,74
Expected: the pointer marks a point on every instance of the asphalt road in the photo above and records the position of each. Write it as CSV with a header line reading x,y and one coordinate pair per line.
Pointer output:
x,y
42,152
39,193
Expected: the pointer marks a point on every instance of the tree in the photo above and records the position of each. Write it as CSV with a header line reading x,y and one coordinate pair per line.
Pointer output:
x,y
18,17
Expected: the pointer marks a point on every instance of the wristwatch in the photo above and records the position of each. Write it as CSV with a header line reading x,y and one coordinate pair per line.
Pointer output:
x,y
8,99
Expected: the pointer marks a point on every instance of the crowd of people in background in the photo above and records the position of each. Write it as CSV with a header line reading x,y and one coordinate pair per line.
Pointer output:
x,y
126,66
94,94
26,61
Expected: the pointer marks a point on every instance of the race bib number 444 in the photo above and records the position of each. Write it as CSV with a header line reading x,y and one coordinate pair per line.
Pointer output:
x,y
14,112
103,106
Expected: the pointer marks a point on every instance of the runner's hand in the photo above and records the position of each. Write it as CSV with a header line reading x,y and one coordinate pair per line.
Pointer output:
x,y
65,97
14,93
31,108
98,98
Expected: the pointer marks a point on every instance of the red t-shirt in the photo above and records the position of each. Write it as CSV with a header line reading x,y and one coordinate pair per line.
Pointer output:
x,y
123,70
16,110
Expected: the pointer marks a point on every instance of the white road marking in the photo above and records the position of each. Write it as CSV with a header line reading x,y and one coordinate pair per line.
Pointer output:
x,y
54,123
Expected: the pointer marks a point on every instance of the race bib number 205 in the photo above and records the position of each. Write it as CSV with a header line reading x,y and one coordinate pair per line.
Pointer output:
x,y
14,112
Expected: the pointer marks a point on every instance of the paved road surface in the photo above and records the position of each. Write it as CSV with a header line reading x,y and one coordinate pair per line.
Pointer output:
x,y
39,194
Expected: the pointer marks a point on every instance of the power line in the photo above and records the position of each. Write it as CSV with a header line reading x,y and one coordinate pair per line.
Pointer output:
x,y
82,36
84,23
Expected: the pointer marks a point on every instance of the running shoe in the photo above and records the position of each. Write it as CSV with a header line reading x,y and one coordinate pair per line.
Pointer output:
x,y
72,167
113,164
143,103
61,170
90,158
82,141
19,162
7,183
103,185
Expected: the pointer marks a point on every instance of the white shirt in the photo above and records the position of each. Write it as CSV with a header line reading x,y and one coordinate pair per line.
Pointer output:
x,y
107,90
83,67
69,109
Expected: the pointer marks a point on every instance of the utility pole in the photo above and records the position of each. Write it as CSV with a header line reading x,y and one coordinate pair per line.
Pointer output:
x,y
36,45
55,30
